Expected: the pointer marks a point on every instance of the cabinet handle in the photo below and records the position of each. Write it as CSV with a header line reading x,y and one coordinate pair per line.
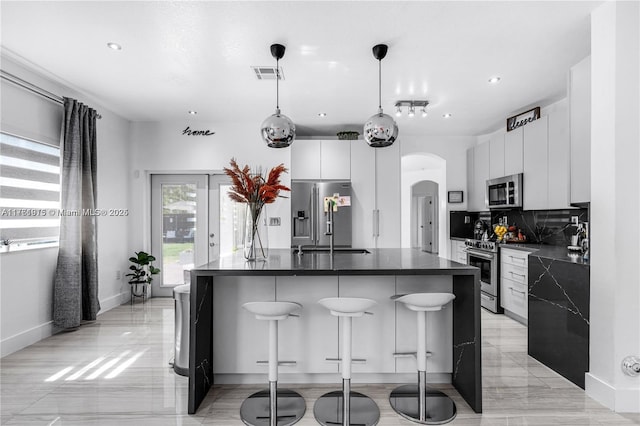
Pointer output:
x,y
520,275
516,291
518,258
376,223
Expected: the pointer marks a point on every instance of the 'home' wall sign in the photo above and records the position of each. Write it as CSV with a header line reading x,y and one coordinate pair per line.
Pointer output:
x,y
522,119
189,132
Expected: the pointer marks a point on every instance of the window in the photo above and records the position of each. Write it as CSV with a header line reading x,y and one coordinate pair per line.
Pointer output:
x,y
29,192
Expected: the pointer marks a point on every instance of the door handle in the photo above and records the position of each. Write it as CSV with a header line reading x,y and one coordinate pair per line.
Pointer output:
x,y
376,223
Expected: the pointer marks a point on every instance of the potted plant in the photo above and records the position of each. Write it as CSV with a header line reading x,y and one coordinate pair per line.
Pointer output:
x,y
142,272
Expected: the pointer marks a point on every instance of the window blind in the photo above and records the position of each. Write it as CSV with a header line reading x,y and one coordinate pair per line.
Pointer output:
x,y
29,190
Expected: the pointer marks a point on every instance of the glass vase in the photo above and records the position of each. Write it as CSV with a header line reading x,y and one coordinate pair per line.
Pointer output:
x,y
256,242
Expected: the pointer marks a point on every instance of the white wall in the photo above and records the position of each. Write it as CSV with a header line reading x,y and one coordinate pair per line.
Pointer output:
x,y
161,148
453,151
26,290
615,204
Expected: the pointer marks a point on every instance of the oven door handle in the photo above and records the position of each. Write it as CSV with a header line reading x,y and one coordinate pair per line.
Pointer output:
x,y
479,254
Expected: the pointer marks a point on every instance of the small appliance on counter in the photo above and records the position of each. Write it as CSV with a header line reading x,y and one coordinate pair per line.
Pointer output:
x,y
480,230
580,240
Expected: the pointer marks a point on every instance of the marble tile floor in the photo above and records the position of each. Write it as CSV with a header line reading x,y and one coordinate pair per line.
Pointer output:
x,y
115,372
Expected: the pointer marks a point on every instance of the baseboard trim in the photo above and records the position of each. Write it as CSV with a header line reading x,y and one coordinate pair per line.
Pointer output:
x,y
328,378
628,400
112,302
40,332
600,390
23,339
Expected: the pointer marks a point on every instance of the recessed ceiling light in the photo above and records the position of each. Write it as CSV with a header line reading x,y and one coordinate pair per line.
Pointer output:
x,y
114,46
494,80
322,114
447,115
193,112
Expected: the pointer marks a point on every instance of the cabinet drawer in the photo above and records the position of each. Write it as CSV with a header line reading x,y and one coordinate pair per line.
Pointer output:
x,y
514,297
514,273
514,257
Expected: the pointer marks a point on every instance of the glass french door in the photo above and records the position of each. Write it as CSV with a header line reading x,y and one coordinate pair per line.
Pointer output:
x,y
179,227
226,219
193,220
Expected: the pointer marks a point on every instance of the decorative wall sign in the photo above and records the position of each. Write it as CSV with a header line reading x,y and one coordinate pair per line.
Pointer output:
x,y
455,196
190,132
522,119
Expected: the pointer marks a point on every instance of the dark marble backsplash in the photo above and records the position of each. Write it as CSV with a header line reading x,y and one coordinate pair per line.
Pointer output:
x,y
551,227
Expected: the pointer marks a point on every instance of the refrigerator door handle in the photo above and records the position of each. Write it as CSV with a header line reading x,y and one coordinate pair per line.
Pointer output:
x,y
314,206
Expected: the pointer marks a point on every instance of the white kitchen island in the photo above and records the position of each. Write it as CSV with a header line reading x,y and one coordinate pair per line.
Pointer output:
x,y
223,332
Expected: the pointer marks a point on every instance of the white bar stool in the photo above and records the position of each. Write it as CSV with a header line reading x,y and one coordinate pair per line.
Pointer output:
x,y
273,406
416,402
346,407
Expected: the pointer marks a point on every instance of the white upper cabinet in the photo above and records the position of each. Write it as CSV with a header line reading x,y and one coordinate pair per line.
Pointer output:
x,y
535,181
513,163
387,183
559,159
375,200
580,130
335,159
496,161
363,174
481,158
321,159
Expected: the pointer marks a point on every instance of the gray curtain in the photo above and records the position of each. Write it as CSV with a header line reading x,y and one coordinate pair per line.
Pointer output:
x,y
75,291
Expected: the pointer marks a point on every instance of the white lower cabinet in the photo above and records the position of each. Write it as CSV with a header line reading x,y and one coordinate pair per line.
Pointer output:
x,y
372,335
313,336
458,251
239,339
514,282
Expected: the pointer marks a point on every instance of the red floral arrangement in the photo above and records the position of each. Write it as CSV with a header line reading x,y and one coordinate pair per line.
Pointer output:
x,y
253,187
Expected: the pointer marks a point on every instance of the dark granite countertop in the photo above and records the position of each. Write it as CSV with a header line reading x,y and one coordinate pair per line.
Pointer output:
x,y
377,262
458,238
549,252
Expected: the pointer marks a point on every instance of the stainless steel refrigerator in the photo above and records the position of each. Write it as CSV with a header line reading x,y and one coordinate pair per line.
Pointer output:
x,y
309,218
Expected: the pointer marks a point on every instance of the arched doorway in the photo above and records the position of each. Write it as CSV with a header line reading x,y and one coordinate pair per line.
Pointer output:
x,y
423,179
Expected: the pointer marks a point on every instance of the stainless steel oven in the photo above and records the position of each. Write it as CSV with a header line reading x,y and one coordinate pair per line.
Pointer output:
x,y
484,256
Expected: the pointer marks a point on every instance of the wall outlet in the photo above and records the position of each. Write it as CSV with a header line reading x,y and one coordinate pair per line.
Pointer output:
x,y
467,219
274,221
574,220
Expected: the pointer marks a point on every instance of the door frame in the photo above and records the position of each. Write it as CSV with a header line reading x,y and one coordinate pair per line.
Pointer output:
x,y
158,288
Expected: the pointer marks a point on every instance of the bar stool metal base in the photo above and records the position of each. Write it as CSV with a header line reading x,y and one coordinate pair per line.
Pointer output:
x,y
290,408
329,409
439,408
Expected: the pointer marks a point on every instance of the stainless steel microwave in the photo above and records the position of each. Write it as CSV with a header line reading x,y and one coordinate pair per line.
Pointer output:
x,y
504,192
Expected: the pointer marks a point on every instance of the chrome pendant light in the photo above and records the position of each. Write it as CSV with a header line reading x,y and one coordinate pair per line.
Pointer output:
x,y
277,130
380,130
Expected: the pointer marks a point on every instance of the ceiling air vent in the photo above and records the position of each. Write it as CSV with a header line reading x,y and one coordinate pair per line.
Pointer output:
x,y
268,73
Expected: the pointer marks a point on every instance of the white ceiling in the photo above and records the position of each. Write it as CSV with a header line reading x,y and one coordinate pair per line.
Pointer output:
x,y
196,55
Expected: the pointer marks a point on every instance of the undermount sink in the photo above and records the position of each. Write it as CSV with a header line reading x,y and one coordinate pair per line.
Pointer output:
x,y
352,306
426,301
335,250
274,310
